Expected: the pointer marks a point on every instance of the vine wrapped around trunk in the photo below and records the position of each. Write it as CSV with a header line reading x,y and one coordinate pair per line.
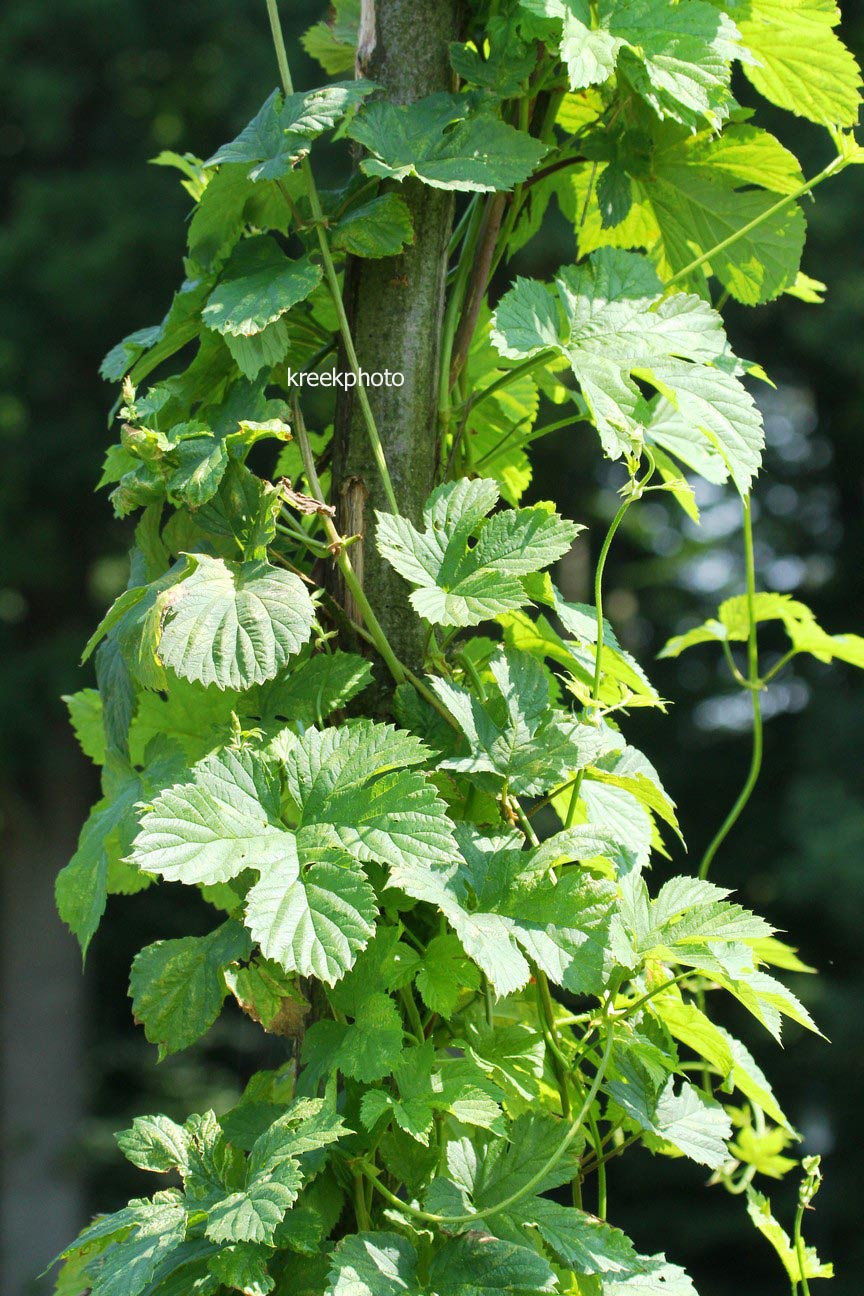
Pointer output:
x,y
345,701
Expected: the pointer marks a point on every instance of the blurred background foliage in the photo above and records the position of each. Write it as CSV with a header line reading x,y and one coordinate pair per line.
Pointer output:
x,y
90,249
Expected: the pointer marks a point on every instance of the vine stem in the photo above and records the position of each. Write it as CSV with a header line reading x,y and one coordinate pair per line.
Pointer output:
x,y
469,1217
330,272
800,1251
337,548
754,685
598,652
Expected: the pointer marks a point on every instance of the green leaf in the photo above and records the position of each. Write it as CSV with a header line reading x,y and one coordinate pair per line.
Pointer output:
x,y
381,227
127,1266
374,1264
313,690
268,996
460,583
484,1178
751,1081
231,204
517,737
314,924
445,975
85,713
655,1277
234,624
177,986
807,636
334,43
475,1265
692,1122
426,1087
677,58
798,60
759,1210
372,1044
505,64
506,910
200,467
155,1143
705,189
580,1241
439,140
609,319
281,133
254,1214
258,285
353,788
225,820
308,1125
261,350
82,887
687,1023
243,1268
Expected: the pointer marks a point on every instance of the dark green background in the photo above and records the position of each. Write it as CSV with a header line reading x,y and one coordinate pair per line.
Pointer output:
x,y
90,249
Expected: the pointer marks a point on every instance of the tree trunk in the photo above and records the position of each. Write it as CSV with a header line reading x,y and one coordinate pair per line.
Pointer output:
x,y
395,308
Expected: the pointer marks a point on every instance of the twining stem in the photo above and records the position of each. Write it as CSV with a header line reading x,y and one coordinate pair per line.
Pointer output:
x,y
800,1251
598,652
361,1211
836,164
475,213
559,1063
754,686
413,1015
478,282
470,1217
415,680
518,371
488,1002
634,1007
602,1195
337,548
330,272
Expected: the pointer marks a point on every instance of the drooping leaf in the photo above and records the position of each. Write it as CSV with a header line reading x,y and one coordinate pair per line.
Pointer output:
x,y
759,1210
126,1267
177,986
693,1123
609,320
381,227
314,923
281,133
334,43
798,60
258,285
446,145
85,713
234,624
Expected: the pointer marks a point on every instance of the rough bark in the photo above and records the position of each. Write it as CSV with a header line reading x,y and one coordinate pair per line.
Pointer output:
x,y
395,307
